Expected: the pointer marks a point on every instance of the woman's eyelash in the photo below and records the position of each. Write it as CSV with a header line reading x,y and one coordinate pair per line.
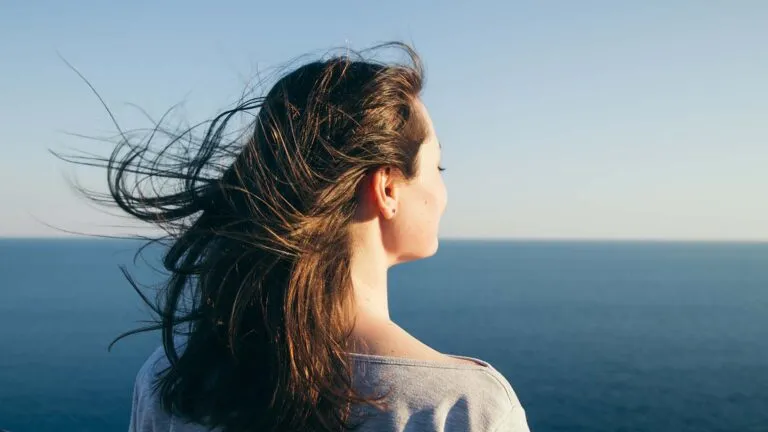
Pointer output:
x,y
441,169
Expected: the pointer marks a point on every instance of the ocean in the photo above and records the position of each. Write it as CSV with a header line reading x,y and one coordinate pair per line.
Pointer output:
x,y
593,336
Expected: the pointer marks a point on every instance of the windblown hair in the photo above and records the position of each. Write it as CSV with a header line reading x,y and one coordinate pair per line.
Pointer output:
x,y
259,247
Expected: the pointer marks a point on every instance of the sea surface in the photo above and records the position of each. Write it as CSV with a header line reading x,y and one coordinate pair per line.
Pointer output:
x,y
593,336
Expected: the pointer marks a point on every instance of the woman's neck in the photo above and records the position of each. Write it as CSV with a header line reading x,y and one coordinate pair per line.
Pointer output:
x,y
368,272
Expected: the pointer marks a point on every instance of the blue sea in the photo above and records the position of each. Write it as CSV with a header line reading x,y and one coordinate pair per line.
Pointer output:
x,y
593,336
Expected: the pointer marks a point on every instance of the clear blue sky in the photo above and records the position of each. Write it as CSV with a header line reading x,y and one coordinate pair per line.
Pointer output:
x,y
569,119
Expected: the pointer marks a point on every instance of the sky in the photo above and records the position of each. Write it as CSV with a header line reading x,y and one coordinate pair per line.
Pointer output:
x,y
558,119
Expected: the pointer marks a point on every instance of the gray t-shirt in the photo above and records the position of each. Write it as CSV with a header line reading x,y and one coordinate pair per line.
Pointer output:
x,y
425,396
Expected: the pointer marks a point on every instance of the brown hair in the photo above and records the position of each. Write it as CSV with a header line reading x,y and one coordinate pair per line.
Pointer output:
x,y
259,248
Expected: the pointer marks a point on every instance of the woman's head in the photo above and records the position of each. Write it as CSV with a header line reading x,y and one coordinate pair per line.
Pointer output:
x,y
341,155
341,142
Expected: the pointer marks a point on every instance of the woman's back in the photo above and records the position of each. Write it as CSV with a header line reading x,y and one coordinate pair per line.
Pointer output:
x,y
426,396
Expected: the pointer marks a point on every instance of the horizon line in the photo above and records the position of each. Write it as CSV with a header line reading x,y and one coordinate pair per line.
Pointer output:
x,y
464,238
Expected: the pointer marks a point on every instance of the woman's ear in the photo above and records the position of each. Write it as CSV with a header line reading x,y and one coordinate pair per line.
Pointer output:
x,y
385,184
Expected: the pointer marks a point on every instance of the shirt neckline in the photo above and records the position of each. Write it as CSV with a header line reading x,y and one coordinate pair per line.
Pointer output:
x,y
373,358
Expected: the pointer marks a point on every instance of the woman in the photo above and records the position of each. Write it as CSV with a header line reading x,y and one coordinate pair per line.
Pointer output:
x,y
281,241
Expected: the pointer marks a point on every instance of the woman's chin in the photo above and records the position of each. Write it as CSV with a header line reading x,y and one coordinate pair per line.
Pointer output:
x,y
422,253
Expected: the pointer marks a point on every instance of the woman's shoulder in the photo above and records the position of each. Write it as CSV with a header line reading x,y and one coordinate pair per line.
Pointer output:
x,y
457,374
387,353
147,414
468,393
154,364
